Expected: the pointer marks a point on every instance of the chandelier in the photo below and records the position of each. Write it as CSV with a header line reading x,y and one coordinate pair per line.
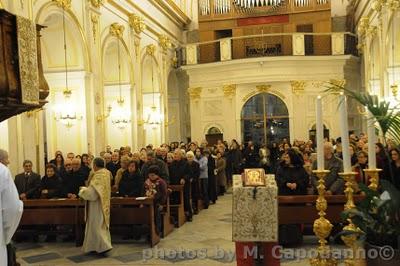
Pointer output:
x,y
120,117
66,112
154,117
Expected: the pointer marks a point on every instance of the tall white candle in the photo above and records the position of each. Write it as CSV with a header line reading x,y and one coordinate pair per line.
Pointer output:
x,y
344,129
371,141
320,134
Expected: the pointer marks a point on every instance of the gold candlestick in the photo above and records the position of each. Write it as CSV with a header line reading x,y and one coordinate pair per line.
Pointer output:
x,y
322,226
351,240
374,178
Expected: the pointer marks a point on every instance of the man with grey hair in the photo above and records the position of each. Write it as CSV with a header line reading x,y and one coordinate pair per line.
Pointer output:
x,y
10,205
333,182
28,182
4,157
97,195
153,160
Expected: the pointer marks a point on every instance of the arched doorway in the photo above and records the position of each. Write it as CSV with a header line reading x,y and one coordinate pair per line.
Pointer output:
x,y
312,133
213,135
265,119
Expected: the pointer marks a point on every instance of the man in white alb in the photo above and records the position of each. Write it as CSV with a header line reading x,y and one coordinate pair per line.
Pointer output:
x,y
10,205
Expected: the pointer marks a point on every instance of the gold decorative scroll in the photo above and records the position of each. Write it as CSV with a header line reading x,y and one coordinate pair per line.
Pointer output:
x,y
194,93
150,49
229,90
263,88
96,3
298,86
117,30
63,3
164,42
28,60
137,23
95,21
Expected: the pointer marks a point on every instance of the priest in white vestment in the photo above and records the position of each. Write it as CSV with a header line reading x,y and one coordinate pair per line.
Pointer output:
x,y
97,195
10,205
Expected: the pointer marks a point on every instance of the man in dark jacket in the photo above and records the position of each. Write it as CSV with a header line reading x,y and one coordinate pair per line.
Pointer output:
x,y
153,160
28,182
179,175
73,179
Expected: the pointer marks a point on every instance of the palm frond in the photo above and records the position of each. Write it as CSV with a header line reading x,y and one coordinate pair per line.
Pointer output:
x,y
388,118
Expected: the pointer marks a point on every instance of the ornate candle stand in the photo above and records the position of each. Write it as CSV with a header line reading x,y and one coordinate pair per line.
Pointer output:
x,y
374,178
351,240
322,226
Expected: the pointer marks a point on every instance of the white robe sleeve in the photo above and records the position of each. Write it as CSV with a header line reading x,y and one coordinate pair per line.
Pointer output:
x,y
11,206
88,193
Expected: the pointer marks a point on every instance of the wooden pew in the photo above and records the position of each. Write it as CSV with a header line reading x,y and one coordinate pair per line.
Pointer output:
x,y
168,225
177,210
301,209
55,212
127,211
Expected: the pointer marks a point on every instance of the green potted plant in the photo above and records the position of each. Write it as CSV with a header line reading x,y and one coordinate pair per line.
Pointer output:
x,y
378,214
378,218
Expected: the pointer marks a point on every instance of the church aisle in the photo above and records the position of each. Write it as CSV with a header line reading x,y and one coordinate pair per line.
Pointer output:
x,y
205,241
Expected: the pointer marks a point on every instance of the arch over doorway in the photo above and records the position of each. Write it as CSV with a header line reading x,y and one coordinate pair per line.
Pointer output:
x,y
312,133
265,119
213,135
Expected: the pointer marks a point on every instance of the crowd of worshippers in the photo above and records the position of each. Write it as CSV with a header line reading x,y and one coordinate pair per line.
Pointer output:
x,y
200,170
206,171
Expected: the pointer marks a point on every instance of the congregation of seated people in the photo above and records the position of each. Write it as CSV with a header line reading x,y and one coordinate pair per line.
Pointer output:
x,y
206,171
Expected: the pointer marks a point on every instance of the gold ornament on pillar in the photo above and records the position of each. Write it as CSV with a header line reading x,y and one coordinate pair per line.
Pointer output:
x,y
263,88
117,30
229,90
393,4
137,23
298,86
194,93
164,42
65,4
95,19
96,3
363,25
150,49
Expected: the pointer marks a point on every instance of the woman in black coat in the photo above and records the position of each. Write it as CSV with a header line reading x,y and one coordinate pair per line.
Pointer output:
x,y
212,180
51,183
131,183
292,179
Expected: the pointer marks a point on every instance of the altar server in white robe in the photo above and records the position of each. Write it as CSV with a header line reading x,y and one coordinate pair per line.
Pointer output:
x,y
10,205
97,195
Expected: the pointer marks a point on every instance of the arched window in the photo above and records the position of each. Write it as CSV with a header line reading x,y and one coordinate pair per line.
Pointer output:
x,y
265,119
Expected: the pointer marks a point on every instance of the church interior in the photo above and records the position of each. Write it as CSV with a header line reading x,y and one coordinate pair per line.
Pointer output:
x,y
200,132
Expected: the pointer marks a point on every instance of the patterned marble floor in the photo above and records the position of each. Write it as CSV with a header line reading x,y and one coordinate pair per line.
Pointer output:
x,y
205,241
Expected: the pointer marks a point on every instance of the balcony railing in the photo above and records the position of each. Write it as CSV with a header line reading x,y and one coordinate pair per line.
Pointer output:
x,y
226,9
276,44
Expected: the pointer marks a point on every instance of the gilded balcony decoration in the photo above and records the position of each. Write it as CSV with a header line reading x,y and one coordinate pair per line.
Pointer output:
x,y
137,23
96,3
229,90
63,3
194,93
298,86
150,49
164,42
117,30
